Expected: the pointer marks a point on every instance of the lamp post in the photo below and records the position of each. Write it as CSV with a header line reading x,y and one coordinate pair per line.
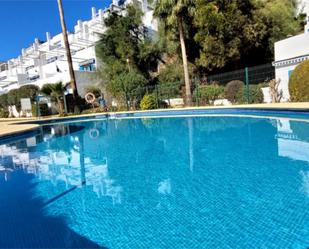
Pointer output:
x,y
67,48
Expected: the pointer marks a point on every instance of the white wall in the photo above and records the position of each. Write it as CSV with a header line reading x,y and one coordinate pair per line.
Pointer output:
x,y
282,75
292,47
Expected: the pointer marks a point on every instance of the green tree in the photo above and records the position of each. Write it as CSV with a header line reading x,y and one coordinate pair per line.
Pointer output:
x,y
4,101
55,92
275,20
29,91
172,13
128,86
238,33
128,54
13,98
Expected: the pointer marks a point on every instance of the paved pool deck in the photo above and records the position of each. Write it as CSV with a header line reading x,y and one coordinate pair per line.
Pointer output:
x,y
10,126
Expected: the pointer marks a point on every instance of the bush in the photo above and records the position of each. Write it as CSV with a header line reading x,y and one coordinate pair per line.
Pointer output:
x,y
209,93
28,91
4,113
255,95
232,89
148,102
4,100
299,83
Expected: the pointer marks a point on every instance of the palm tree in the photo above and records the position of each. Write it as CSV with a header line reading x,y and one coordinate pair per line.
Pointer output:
x,y
55,91
68,51
172,13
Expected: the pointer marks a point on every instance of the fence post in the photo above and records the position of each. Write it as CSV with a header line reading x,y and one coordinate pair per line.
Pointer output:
x,y
197,94
38,111
247,85
157,96
65,104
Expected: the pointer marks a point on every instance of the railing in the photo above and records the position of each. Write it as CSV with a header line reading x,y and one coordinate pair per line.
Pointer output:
x,y
173,94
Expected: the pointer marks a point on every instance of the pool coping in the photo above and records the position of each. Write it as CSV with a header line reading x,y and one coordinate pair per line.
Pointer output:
x,y
10,128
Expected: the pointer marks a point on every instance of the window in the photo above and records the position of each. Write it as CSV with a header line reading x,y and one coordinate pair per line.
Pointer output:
x,y
88,66
52,59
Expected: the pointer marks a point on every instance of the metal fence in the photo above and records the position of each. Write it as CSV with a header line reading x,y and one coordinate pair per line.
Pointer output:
x,y
167,95
249,75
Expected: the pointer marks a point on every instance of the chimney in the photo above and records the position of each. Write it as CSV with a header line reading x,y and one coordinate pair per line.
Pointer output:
x,y
93,12
101,14
86,31
48,37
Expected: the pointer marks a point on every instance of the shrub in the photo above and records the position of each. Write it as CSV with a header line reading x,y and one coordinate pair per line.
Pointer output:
x,y
209,93
255,95
4,100
148,102
232,89
28,91
4,113
299,83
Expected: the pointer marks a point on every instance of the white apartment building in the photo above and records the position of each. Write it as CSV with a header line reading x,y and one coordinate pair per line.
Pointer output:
x,y
46,62
291,52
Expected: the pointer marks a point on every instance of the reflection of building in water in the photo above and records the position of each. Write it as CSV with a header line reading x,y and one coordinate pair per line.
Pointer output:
x,y
290,144
294,144
60,163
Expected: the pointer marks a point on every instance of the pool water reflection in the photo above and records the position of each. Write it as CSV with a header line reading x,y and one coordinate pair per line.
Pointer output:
x,y
203,182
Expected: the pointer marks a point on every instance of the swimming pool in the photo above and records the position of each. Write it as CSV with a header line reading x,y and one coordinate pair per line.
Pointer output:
x,y
179,182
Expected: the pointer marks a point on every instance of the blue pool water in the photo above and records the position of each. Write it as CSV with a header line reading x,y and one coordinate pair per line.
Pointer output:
x,y
197,182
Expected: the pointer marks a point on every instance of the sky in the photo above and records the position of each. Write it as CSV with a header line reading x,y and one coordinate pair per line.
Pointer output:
x,y
21,21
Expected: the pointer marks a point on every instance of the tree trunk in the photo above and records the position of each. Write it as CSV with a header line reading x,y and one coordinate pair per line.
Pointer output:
x,y
67,48
185,61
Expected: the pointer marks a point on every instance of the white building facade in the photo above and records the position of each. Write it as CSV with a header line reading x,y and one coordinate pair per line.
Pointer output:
x,y
291,52
46,62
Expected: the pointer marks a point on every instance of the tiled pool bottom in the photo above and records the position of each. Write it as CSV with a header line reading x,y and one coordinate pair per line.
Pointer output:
x,y
205,182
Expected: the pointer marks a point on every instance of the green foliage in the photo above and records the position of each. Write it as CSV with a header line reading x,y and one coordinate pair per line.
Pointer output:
x,y
220,27
148,102
28,91
209,93
127,83
13,96
172,71
4,100
274,20
4,113
299,83
255,94
232,89
229,32
128,54
55,91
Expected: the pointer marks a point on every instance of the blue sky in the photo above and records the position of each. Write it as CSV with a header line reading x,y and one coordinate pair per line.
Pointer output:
x,y
23,20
